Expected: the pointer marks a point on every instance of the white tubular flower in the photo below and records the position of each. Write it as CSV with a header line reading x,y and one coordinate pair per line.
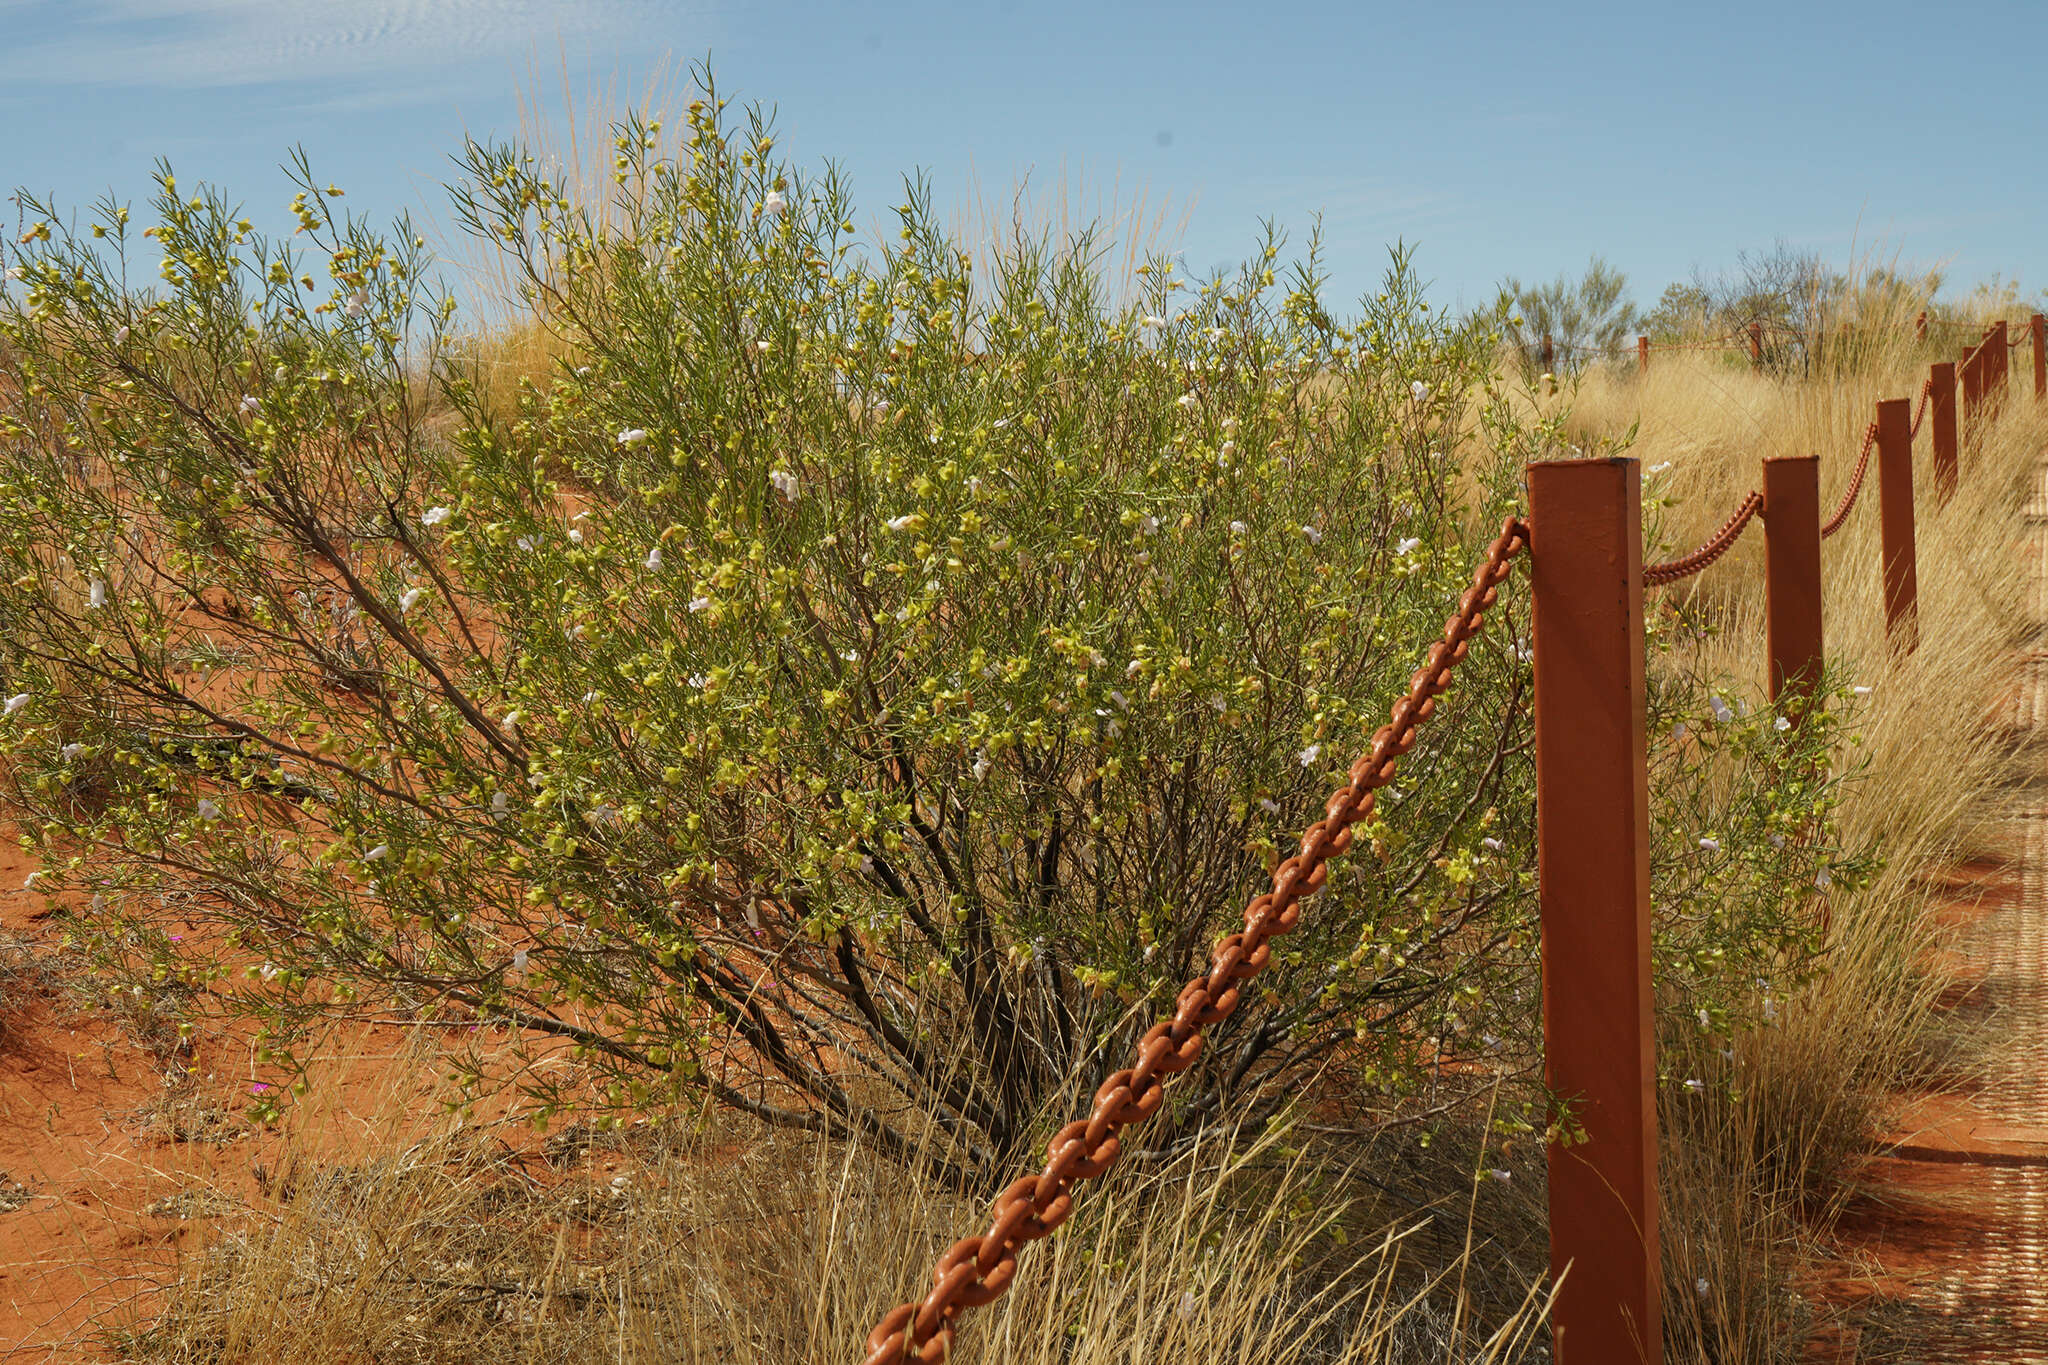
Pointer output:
x,y
121,336
633,436
519,960
1237,528
1823,879
434,516
764,345
208,810
1187,400
981,767
1408,546
96,592
377,853
251,404
1152,320
654,559
699,603
358,303
575,535
1722,713
1419,391
909,521
16,702
1501,1174
500,803
1711,845
1309,755
774,204
783,482
1269,805
527,543
71,751
1782,723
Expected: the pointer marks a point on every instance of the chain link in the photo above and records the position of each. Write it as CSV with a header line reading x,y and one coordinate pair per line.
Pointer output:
x,y
1672,570
1848,502
1926,392
977,1270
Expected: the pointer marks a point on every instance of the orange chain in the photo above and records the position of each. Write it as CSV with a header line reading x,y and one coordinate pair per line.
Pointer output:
x,y
1848,502
1717,545
1926,392
977,1270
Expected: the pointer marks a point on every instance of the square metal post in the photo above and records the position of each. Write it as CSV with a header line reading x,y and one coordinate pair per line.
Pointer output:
x,y
1593,873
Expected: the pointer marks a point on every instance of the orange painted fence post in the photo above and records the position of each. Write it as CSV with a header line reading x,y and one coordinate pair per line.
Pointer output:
x,y
1895,514
1792,606
1756,343
1941,411
1643,352
2037,329
1593,891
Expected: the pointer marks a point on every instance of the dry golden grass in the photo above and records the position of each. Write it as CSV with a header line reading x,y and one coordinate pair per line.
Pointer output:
x,y
731,1246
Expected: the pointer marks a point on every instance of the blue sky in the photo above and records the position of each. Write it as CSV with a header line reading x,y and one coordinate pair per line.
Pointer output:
x,y
1503,139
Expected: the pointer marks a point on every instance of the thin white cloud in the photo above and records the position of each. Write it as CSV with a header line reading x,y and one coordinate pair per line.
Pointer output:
x,y
222,43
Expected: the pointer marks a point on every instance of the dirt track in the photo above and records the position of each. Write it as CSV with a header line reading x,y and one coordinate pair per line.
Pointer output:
x,y
1957,1231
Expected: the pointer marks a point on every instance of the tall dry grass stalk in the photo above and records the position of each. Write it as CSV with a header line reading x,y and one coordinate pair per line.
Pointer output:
x,y
750,1246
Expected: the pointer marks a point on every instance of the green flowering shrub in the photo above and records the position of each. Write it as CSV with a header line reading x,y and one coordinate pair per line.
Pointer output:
x,y
859,685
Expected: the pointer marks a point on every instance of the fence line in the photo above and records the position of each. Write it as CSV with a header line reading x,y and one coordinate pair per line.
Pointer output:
x,y
1583,538
1601,1314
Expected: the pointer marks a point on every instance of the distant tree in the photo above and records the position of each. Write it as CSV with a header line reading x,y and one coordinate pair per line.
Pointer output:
x,y
1583,318
1683,311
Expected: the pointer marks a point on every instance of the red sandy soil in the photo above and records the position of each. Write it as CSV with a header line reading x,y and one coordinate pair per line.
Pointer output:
x,y
70,1085
82,1120
1941,1241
